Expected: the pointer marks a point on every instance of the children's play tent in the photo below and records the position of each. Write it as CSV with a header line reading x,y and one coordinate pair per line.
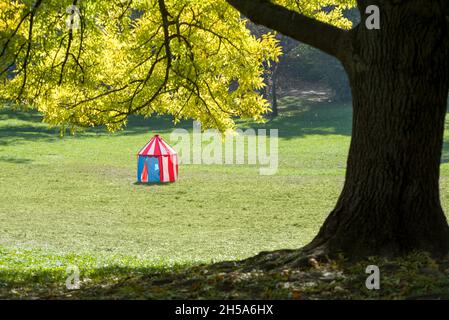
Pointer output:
x,y
157,162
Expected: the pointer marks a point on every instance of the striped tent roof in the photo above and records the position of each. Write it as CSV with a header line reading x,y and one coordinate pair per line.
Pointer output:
x,y
156,147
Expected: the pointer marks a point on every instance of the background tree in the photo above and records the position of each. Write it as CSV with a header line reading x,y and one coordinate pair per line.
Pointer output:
x,y
303,62
308,64
272,68
300,61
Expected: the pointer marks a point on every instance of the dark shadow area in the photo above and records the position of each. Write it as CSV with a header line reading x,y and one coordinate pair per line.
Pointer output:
x,y
149,184
254,278
31,127
14,134
29,115
298,117
15,160
114,282
28,127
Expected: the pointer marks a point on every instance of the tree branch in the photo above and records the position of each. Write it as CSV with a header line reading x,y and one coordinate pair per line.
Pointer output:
x,y
323,36
5,46
28,51
67,53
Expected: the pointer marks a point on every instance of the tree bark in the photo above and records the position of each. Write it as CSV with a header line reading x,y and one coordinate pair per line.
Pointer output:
x,y
390,202
399,79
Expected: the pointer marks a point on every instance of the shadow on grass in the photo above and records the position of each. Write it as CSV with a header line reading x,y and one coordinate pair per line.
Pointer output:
x,y
14,134
28,126
15,160
17,126
416,276
297,118
213,281
153,184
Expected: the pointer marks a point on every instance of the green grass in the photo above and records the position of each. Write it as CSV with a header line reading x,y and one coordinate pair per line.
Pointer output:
x,y
77,194
74,200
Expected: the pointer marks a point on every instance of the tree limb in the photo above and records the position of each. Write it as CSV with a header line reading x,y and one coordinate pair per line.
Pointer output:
x,y
67,53
28,51
5,46
323,36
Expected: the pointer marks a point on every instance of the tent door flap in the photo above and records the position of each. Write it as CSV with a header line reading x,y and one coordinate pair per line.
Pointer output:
x,y
153,169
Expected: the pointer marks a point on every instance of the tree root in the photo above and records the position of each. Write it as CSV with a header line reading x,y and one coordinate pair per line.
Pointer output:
x,y
303,258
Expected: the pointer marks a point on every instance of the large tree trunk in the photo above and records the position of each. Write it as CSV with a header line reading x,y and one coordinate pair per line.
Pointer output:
x,y
390,202
399,79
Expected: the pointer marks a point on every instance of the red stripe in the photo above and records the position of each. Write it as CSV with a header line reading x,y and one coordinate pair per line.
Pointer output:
x,y
157,148
177,161
161,174
164,150
145,151
171,174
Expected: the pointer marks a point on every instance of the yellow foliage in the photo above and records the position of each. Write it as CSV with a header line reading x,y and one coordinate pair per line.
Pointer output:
x,y
203,63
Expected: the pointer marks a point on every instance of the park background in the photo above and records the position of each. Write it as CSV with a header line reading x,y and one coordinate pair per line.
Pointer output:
x,y
72,200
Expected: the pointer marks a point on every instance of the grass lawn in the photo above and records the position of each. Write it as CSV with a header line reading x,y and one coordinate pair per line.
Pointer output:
x,y
74,201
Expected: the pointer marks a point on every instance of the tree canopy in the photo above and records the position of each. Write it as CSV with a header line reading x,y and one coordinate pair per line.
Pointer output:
x,y
110,59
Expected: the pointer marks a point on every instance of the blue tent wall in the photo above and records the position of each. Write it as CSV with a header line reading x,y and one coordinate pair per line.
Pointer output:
x,y
140,162
153,168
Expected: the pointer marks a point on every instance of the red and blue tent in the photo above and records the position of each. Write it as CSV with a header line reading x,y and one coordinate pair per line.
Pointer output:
x,y
157,162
